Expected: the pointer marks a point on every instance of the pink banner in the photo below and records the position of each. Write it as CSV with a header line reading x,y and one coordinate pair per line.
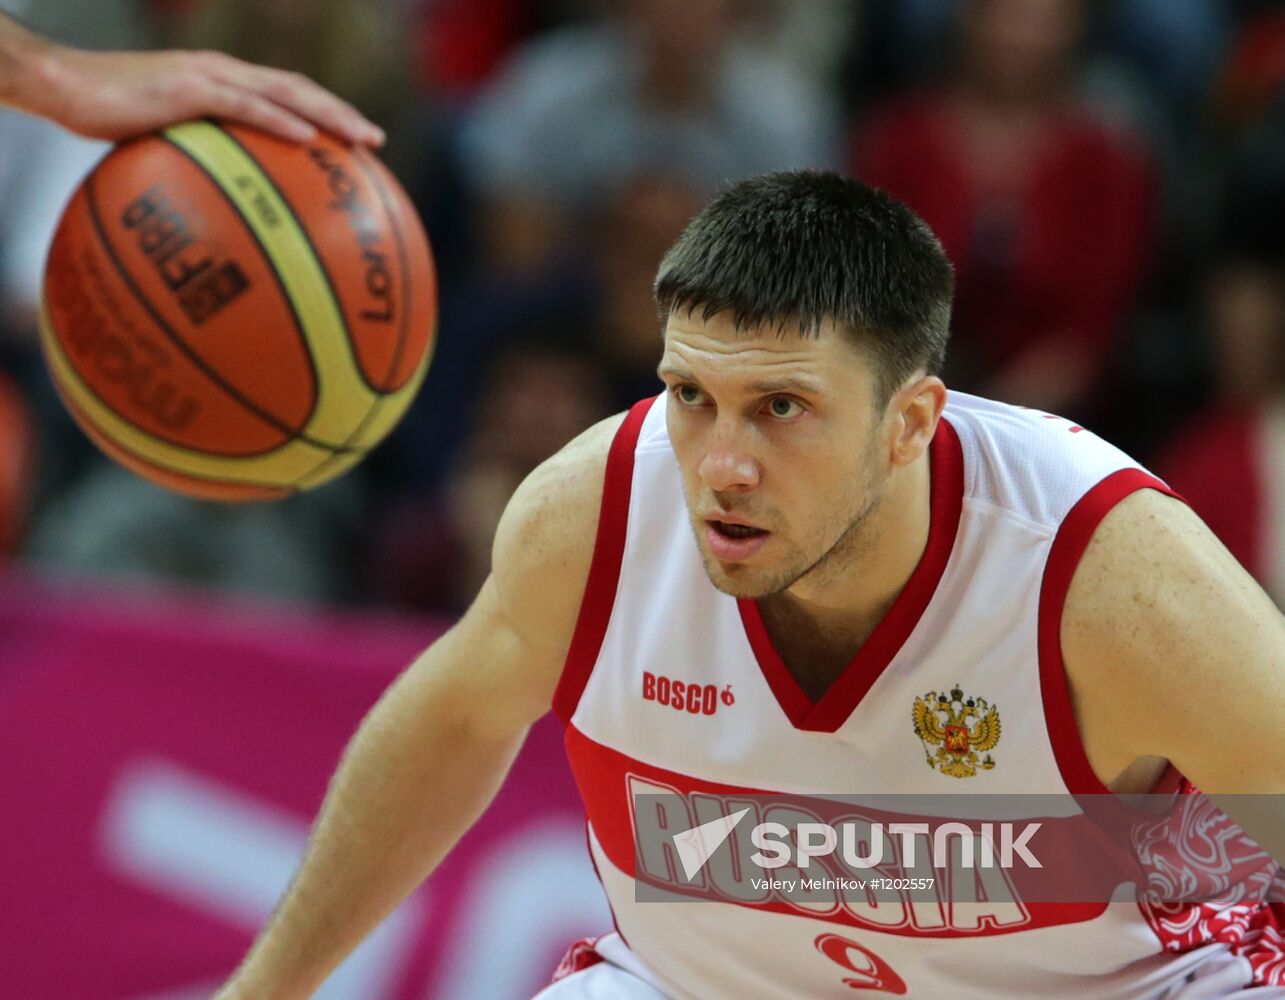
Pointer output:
x,y
163,762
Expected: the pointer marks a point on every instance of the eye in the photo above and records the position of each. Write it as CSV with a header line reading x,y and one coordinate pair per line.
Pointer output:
x,y
688,395
783,407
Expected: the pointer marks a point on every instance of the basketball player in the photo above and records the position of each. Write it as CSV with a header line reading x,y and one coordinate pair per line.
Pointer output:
x,y
803,521
806,520
114,95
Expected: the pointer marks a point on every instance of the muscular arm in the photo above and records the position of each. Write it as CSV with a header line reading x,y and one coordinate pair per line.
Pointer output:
x,y
114,95
431,754
1174,651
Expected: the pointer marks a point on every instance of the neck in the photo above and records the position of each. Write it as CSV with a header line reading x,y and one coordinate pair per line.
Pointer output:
x,y
848,596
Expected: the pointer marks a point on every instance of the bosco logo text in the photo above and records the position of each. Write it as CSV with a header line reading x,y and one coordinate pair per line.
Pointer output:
x,y
696,699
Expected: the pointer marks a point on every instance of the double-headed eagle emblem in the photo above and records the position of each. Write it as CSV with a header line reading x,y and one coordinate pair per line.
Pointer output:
x,y
960,728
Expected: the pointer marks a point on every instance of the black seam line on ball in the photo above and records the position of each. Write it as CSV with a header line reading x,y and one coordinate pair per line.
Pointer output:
x,y
321,264
183,348
296,434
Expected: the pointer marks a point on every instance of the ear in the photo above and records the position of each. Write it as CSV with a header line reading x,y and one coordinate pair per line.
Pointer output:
x,y
914,411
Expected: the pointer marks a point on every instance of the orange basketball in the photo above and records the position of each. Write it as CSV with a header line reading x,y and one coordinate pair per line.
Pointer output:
x,y
238,317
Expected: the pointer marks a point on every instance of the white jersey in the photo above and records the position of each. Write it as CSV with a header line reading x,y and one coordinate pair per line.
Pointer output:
x,y
672,685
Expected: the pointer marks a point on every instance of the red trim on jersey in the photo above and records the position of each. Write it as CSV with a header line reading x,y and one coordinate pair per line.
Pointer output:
x,y
1069,545
580,956
604,570
946,461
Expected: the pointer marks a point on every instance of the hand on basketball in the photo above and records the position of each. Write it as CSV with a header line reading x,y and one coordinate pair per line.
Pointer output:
x,y
114,95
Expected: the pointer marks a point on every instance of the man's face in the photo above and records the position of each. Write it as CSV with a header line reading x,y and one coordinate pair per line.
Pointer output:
x,y
778,441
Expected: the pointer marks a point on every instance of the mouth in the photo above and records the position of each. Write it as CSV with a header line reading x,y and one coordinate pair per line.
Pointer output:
x,y
733,529
733,541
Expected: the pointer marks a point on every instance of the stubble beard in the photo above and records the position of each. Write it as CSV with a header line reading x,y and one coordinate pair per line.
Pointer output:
x,y
847,550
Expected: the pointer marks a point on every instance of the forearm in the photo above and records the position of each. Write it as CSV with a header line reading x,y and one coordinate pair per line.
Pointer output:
x,y
411,783
19,50
117,95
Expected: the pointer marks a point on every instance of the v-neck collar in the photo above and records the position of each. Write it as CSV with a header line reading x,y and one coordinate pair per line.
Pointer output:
x,y
946,463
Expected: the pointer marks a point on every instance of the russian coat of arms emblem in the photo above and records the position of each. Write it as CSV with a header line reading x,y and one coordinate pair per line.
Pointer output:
x,y
961,729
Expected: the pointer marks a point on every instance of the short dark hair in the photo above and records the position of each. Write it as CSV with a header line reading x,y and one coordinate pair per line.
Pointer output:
x,y
799,247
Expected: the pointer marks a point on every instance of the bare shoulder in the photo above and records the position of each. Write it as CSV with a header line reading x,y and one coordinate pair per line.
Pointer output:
x,y
1153,572
544,543
1169,641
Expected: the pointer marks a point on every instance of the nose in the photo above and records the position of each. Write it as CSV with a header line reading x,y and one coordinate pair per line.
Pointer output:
x,y
728,465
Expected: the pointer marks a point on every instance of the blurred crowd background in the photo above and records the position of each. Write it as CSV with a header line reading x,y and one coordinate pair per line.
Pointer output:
x,y
1108,178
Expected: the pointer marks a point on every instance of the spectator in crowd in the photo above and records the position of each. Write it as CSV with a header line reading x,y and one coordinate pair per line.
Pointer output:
x,y
1249,126
585,148
1253,75
1174,45
541,391
632,231
1045,213
1177,46
656,85
813,38
1229,462
461,43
